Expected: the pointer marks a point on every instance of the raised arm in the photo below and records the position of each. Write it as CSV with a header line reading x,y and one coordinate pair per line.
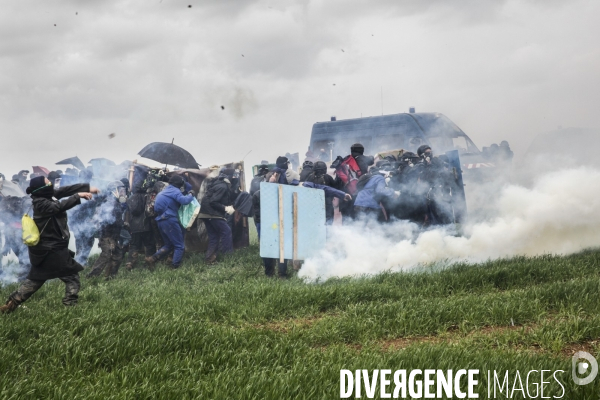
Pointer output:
x,y
71,190
48,208
183,200
329,191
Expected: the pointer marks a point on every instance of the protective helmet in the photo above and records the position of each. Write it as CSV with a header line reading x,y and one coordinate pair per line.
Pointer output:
x,y
357,148
307,163
382,164
320,166
422,149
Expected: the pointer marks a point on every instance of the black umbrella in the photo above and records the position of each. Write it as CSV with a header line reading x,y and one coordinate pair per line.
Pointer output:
x,y
74,161
168,153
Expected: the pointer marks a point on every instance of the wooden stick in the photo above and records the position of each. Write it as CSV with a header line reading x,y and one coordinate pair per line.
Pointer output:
x,y
281,237
295,199
131,172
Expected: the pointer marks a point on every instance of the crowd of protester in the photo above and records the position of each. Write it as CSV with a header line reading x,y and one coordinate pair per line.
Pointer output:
x,y
138,224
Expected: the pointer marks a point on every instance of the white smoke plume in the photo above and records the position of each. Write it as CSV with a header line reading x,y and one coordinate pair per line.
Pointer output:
x,y
559,214
10,269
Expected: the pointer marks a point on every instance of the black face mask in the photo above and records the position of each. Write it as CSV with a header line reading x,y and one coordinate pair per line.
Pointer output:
x,y
45,191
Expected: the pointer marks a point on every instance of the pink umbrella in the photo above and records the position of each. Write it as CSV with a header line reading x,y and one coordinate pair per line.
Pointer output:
x,y
41,171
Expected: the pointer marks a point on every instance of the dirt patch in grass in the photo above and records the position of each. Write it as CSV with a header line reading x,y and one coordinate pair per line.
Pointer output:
x,y
402,343
590,346
453,335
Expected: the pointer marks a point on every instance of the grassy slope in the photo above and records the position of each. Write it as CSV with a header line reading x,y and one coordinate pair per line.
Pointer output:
x,y
229,332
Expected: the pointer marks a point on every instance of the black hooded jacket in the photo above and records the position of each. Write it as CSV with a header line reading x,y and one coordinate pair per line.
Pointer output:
x,y
217,197
51,216
255,183
306,171
51,258
136,207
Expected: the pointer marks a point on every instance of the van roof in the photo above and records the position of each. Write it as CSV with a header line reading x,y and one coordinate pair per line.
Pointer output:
x,y
426,123
432,128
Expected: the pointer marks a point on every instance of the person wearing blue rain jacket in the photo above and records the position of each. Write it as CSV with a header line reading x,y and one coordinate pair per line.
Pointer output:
x,y
368,199
166,207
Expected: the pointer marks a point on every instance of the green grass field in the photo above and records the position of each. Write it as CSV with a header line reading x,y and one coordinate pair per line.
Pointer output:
x,y
227,331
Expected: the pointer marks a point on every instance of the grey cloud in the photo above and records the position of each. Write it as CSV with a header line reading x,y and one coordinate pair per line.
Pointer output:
x,y
138,66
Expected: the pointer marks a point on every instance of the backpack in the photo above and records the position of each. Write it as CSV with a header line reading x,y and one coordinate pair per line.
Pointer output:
x,y
348,171
31,233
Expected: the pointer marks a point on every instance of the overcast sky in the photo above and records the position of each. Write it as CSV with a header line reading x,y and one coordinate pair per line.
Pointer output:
x,y
73,72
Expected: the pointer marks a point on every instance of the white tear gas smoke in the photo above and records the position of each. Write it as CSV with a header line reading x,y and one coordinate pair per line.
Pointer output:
x,y
14,256
11,271
559,214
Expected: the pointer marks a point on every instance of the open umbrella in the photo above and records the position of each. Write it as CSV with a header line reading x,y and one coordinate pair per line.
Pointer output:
x,y
74,161
7,188
168,153
102,161
41,170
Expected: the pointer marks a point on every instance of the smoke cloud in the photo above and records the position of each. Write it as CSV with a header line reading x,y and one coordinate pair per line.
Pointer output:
x,y
557,215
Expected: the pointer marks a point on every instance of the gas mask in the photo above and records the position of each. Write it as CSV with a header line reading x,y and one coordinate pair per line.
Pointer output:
x,y
120,194
427,156
386,175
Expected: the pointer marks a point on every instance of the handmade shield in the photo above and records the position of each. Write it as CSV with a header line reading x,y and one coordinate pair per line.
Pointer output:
x,y
292,221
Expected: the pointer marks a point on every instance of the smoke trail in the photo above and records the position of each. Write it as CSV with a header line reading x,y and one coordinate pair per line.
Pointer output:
x,y
558,215
14,256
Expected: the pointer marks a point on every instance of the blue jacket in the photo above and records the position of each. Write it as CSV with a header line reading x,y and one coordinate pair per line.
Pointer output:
x,y
168,201
375,190
329,191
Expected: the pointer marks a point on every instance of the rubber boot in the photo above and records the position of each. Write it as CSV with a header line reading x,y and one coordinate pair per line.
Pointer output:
x,y
9,307
212,260
151,262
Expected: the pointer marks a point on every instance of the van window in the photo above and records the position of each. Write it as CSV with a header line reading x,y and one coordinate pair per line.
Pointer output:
x,y
460,144
387,142
439,144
